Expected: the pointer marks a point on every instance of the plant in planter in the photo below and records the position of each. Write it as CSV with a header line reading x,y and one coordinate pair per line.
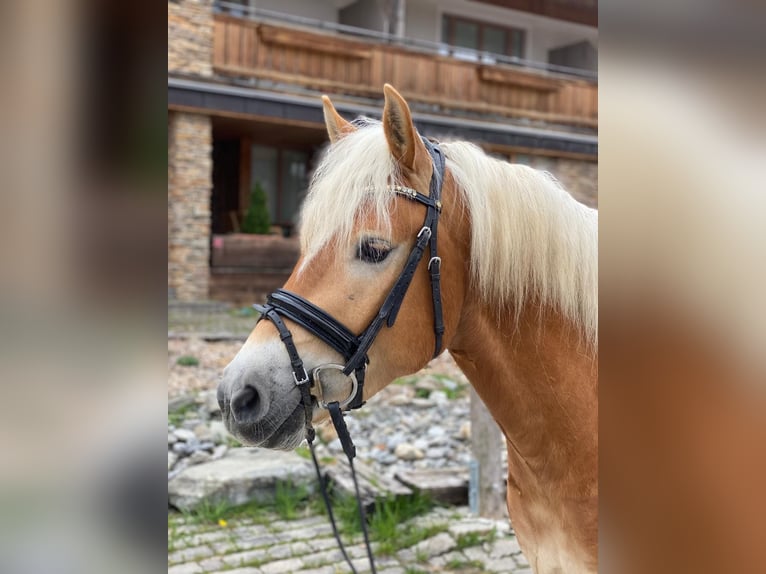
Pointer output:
x,y
257,218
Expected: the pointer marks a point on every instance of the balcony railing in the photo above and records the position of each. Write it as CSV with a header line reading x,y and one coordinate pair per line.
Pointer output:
x,y
293,51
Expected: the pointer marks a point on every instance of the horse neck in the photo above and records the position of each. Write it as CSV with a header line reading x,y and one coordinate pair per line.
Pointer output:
x,y
539,382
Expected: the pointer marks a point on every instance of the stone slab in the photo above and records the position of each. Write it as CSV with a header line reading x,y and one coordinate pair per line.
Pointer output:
x,y
447,485
372,486
242,475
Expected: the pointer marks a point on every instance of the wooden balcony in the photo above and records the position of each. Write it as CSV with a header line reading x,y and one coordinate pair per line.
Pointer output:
x,y
338,64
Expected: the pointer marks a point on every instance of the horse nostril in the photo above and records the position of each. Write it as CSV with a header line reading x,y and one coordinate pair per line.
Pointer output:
x,y
246,405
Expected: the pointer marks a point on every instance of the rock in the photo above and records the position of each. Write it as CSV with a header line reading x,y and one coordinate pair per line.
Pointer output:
x,y
465,431
182,449
449,384
172,438
219,451
400,400
172,459
428,384
327,433
185,435
199,457
421,443
438,397
241,476
407,451
439,544
437,452
436,432
218,432
180,403
209,400
448,485
421,403
202,432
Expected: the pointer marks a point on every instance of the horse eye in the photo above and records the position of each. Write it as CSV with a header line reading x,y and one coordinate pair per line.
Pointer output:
x,y
373,250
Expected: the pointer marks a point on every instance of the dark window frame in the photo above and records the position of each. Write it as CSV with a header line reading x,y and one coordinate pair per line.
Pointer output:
x,y
452,19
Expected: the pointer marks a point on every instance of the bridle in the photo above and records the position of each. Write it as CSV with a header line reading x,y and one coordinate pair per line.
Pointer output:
x,y
282,303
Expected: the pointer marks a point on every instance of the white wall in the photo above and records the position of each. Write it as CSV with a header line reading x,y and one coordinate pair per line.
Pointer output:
x,y
362,14
319,9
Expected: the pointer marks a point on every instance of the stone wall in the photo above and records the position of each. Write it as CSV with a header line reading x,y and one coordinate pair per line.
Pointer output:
x,y
190,184
579,177
190,37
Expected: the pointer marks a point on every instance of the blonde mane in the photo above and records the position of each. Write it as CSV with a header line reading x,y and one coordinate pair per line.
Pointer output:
x,y
529,237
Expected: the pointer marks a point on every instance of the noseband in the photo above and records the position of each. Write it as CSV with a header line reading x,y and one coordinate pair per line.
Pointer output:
x,y
353,348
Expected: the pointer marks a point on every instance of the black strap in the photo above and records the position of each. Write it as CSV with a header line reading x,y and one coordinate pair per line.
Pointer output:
x,y
435,262
349,449
300,376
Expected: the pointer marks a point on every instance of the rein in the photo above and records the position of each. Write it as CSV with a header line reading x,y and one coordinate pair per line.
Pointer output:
x,y
282,303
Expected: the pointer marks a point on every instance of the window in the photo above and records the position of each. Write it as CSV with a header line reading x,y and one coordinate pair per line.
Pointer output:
x,y
282,174
481,36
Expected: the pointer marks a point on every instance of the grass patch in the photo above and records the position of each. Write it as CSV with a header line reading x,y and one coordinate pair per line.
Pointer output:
x,y
422,393
289,499
457,564
410,570
388,523
187,361
208,512
179,415
303,452
475,539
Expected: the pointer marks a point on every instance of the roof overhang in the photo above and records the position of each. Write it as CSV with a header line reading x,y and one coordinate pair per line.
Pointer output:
x,y
223,99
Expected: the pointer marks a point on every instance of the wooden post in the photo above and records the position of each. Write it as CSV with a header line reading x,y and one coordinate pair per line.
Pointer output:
x,y
487,445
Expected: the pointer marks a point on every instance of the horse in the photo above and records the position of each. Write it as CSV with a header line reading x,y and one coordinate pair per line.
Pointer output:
x,y
518,299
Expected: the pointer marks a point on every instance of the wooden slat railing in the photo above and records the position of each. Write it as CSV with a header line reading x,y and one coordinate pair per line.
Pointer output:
x,y
335,64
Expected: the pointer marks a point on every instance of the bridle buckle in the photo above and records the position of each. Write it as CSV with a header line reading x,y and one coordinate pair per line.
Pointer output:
x,y
304,379
437,260
423,230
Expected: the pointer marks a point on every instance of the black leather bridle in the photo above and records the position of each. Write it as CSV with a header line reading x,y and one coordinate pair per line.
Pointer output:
x,y
285,304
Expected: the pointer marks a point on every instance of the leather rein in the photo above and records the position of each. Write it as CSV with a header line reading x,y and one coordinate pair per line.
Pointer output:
x,y
285,304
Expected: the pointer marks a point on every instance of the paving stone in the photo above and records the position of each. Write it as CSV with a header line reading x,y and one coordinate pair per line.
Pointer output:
x,y
322,558
322,543
394,570
300,548
289,565
476,553
238,558
189,554
211,564
500,565
439,544
320,570
475,526
445,559
189,568
504,547
279,552
246,570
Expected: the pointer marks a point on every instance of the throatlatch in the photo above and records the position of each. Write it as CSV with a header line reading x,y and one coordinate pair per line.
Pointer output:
x,y
353,348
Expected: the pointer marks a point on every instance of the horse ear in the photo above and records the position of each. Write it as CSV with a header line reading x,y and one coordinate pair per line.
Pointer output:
x,y
402,137
337,127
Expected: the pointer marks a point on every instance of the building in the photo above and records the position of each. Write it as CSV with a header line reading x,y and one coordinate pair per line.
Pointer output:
x,y
515,76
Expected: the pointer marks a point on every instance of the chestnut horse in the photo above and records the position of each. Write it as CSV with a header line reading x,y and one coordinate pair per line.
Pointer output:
x,y
519,294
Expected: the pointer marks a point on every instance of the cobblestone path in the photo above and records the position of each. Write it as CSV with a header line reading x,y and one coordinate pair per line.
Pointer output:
x,y
451,541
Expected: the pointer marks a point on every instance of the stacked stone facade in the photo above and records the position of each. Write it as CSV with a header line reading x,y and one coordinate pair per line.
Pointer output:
x,y
190,37
190,169
579,177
